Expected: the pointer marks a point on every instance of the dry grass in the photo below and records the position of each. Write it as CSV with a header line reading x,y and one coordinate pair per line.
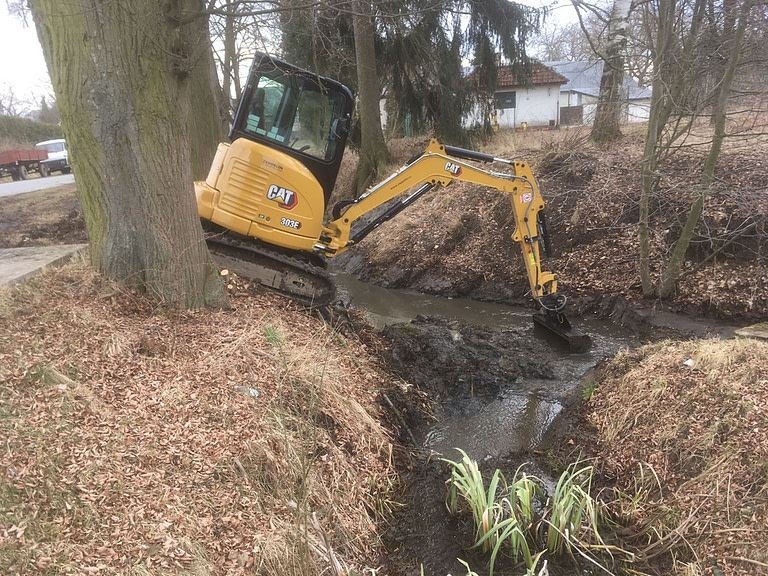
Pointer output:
x,y
141,441
685,427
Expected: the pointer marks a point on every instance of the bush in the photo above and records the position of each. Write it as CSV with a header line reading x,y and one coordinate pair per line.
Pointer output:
x,y
18,132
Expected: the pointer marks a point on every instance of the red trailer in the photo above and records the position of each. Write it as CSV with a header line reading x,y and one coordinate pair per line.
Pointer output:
x,y
19,163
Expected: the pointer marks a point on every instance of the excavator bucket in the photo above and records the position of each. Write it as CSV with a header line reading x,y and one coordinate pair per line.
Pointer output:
x,y
558,324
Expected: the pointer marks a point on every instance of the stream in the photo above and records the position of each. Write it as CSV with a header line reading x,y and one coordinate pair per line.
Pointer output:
x,y
496,383
516,417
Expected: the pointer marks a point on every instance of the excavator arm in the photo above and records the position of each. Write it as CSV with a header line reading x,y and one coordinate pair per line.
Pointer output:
x,y
440,166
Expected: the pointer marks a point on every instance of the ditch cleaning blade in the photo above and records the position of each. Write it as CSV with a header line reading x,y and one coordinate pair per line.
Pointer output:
x,y
558,324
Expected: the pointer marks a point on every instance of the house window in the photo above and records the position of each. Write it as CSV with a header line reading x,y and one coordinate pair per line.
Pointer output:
x,y
505,99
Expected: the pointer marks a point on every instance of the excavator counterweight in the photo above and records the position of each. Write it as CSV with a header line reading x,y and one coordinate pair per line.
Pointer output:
x,y
267,192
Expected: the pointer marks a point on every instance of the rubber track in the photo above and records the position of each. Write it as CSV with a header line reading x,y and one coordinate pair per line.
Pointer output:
x,y
293,278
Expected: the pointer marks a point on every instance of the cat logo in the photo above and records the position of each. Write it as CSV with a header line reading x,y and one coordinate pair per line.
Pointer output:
x,y
454,169
285,198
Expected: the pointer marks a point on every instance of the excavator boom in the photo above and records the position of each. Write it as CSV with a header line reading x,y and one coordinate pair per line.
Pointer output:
x,y
439,166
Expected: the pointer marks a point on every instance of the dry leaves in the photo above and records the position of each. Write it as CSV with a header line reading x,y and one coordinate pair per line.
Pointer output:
x,y
179,443
686,424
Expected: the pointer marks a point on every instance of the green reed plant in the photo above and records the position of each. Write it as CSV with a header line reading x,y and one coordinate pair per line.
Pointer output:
x,y
516,518
512,534
571,509
467,485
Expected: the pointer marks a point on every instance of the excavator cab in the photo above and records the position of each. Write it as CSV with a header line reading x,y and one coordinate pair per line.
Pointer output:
x,y
298,113
274,180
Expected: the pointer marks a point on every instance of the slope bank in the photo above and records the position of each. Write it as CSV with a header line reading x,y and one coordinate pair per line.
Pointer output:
x,y
140,440
456,241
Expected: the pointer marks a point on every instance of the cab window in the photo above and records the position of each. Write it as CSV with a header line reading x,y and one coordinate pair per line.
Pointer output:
x,y
53,147
295,112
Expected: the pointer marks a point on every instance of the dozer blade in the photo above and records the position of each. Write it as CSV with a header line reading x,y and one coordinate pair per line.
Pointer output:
x,y
558,324
294,278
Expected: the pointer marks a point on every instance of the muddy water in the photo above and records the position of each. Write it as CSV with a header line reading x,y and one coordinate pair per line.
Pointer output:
x,y
516,418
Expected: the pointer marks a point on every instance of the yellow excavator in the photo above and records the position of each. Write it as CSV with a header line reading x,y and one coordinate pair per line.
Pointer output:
x,y
264,201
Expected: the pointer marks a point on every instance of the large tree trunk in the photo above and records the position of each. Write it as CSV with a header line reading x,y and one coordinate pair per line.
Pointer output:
x,y
373,149
120,71
607,125
209,112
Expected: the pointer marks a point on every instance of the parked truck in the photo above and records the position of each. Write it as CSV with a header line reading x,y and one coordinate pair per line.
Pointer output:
x,y
19,163
58,158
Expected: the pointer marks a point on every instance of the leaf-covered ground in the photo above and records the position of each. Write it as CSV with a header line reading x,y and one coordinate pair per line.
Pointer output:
x,y
679,434
143,441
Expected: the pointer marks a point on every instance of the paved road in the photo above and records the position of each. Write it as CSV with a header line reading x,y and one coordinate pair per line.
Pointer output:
x,y
11,188
18,264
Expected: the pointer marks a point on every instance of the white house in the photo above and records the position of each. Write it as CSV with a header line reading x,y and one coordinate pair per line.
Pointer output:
x,y
535,103
579,96
532,104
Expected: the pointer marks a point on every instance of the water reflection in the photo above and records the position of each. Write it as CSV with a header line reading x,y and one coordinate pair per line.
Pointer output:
x,y
384,306
512,423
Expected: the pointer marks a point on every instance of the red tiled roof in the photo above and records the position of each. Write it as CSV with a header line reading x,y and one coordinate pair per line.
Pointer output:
x,y
540,75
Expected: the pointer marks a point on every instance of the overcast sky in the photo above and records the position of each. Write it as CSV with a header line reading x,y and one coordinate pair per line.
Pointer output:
x,y
23,70
25,74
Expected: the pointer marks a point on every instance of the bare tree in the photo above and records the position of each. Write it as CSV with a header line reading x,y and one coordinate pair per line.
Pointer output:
x,y
238,29
682,73
640,43
122,74
229,28
11,104
563,43
606,126
735,24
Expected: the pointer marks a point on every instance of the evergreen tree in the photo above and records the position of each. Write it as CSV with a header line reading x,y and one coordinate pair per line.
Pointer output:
x,y
426,46
48,114
320,38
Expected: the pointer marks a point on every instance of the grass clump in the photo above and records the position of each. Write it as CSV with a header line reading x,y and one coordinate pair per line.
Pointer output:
x,y
519,519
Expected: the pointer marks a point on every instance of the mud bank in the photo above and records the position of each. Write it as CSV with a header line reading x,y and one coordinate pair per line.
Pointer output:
x,y
463,374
